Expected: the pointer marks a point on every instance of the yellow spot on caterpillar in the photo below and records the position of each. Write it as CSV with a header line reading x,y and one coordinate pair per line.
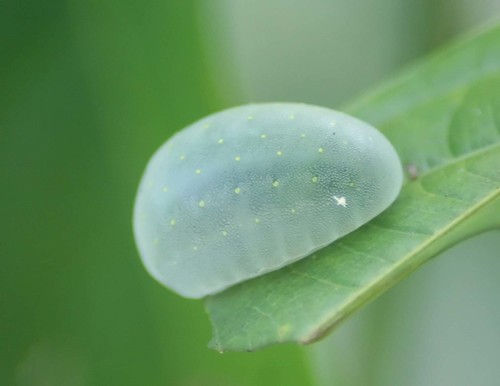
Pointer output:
x,y
182,157
237,190
263,136
250,117
302,135
276,183
173,222
156,240
279,153
345,142
321,150
220,141
352,184
257,221
237,158
198,171
201,204
224,233
293,210
333,123
165,189
291,116
207,125
195,248
314,179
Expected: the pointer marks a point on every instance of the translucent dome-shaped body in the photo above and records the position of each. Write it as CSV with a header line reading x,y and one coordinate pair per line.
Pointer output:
x,y
251,189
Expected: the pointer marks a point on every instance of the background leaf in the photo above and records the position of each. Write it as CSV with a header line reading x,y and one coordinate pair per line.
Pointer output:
x,y
443,117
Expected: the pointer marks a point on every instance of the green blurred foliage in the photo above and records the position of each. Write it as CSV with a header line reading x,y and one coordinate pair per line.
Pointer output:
x,y
88,90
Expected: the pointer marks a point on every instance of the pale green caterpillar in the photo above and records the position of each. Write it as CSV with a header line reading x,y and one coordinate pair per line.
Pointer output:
x,y
253,188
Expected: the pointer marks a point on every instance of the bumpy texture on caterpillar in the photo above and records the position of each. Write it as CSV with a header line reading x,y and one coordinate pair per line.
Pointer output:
x,y
253,188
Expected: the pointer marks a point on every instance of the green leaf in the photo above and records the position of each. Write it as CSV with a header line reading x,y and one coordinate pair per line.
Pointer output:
x,y
443,117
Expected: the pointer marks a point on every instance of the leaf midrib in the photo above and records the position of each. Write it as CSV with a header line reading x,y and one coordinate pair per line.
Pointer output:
x,y
360,297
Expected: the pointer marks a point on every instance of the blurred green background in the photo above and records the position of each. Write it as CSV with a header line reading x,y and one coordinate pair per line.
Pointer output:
x,y
89,89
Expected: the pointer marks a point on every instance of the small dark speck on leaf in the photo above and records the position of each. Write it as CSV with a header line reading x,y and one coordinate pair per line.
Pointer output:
x,y
412,171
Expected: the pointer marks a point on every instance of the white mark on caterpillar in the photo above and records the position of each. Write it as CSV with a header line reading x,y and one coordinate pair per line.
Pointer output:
x,y
341,201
